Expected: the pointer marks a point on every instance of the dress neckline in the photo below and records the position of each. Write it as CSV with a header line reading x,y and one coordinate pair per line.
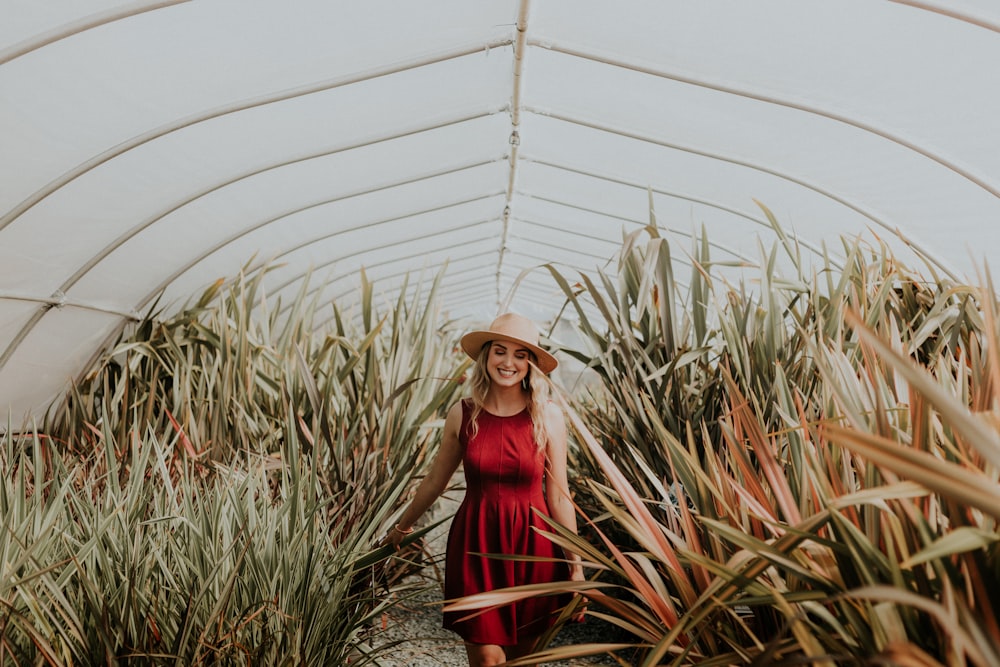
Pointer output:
x,y
493,414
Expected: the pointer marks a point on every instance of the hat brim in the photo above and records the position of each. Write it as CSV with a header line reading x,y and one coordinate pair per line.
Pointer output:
x,y
473,342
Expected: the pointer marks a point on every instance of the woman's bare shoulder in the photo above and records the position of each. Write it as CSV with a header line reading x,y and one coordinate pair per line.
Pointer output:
x,y
455,412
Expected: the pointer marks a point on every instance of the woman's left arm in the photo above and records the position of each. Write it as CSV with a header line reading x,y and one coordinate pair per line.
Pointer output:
x,y
556,481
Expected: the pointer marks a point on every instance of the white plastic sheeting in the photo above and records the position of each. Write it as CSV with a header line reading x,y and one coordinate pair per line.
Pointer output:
x,y
150,148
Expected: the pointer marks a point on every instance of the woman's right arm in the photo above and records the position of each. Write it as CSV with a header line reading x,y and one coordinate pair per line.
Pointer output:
x,y
445,464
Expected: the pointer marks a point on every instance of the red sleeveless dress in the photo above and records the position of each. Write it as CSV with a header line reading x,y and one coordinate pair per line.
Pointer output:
x,y
504,476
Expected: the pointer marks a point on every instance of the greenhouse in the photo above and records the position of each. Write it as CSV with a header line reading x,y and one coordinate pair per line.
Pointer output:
x,y
245,245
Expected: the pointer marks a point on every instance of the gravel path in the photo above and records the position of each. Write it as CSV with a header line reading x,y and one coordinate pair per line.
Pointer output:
x,y
416,624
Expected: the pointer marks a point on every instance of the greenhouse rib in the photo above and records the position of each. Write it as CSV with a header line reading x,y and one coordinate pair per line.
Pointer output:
x,y
242,105
639,223
385,221
950,13
81,25
798,106
393,260
69,283
343,276
222,244
666,193
857,208
149,222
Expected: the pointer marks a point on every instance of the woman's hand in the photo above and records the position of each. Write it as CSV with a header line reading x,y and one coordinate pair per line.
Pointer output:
x,y
395,537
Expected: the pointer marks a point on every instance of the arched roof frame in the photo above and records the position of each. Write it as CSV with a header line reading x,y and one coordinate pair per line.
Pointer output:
x,y
202,135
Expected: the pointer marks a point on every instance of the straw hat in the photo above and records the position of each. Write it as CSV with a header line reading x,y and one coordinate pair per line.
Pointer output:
x,y
513,328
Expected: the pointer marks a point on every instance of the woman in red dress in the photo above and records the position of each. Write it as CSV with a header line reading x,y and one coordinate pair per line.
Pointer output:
x,y
512,442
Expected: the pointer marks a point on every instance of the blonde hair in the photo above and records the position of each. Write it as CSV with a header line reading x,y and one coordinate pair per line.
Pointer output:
x,y
537,388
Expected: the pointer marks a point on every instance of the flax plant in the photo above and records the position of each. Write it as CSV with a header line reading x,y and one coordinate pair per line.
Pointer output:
x,y
649,341
810,476
213,490
112,559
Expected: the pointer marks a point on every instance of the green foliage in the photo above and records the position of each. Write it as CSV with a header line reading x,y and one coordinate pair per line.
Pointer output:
x,y
799,468
212,492
116,558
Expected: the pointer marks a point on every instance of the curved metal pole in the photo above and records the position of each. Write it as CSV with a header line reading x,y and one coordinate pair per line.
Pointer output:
x,y
242,105
790,104
950,13
82,25
857,208
188,265
675,195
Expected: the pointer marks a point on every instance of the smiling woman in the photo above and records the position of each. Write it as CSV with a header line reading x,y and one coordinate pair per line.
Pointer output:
x,y
512,442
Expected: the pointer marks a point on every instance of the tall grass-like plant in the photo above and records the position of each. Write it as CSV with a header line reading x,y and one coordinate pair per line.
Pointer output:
x,y
212,491
647,342
811,477
115,559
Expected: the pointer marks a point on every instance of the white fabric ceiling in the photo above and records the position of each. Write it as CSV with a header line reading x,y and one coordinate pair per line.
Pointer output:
x,y
150,148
